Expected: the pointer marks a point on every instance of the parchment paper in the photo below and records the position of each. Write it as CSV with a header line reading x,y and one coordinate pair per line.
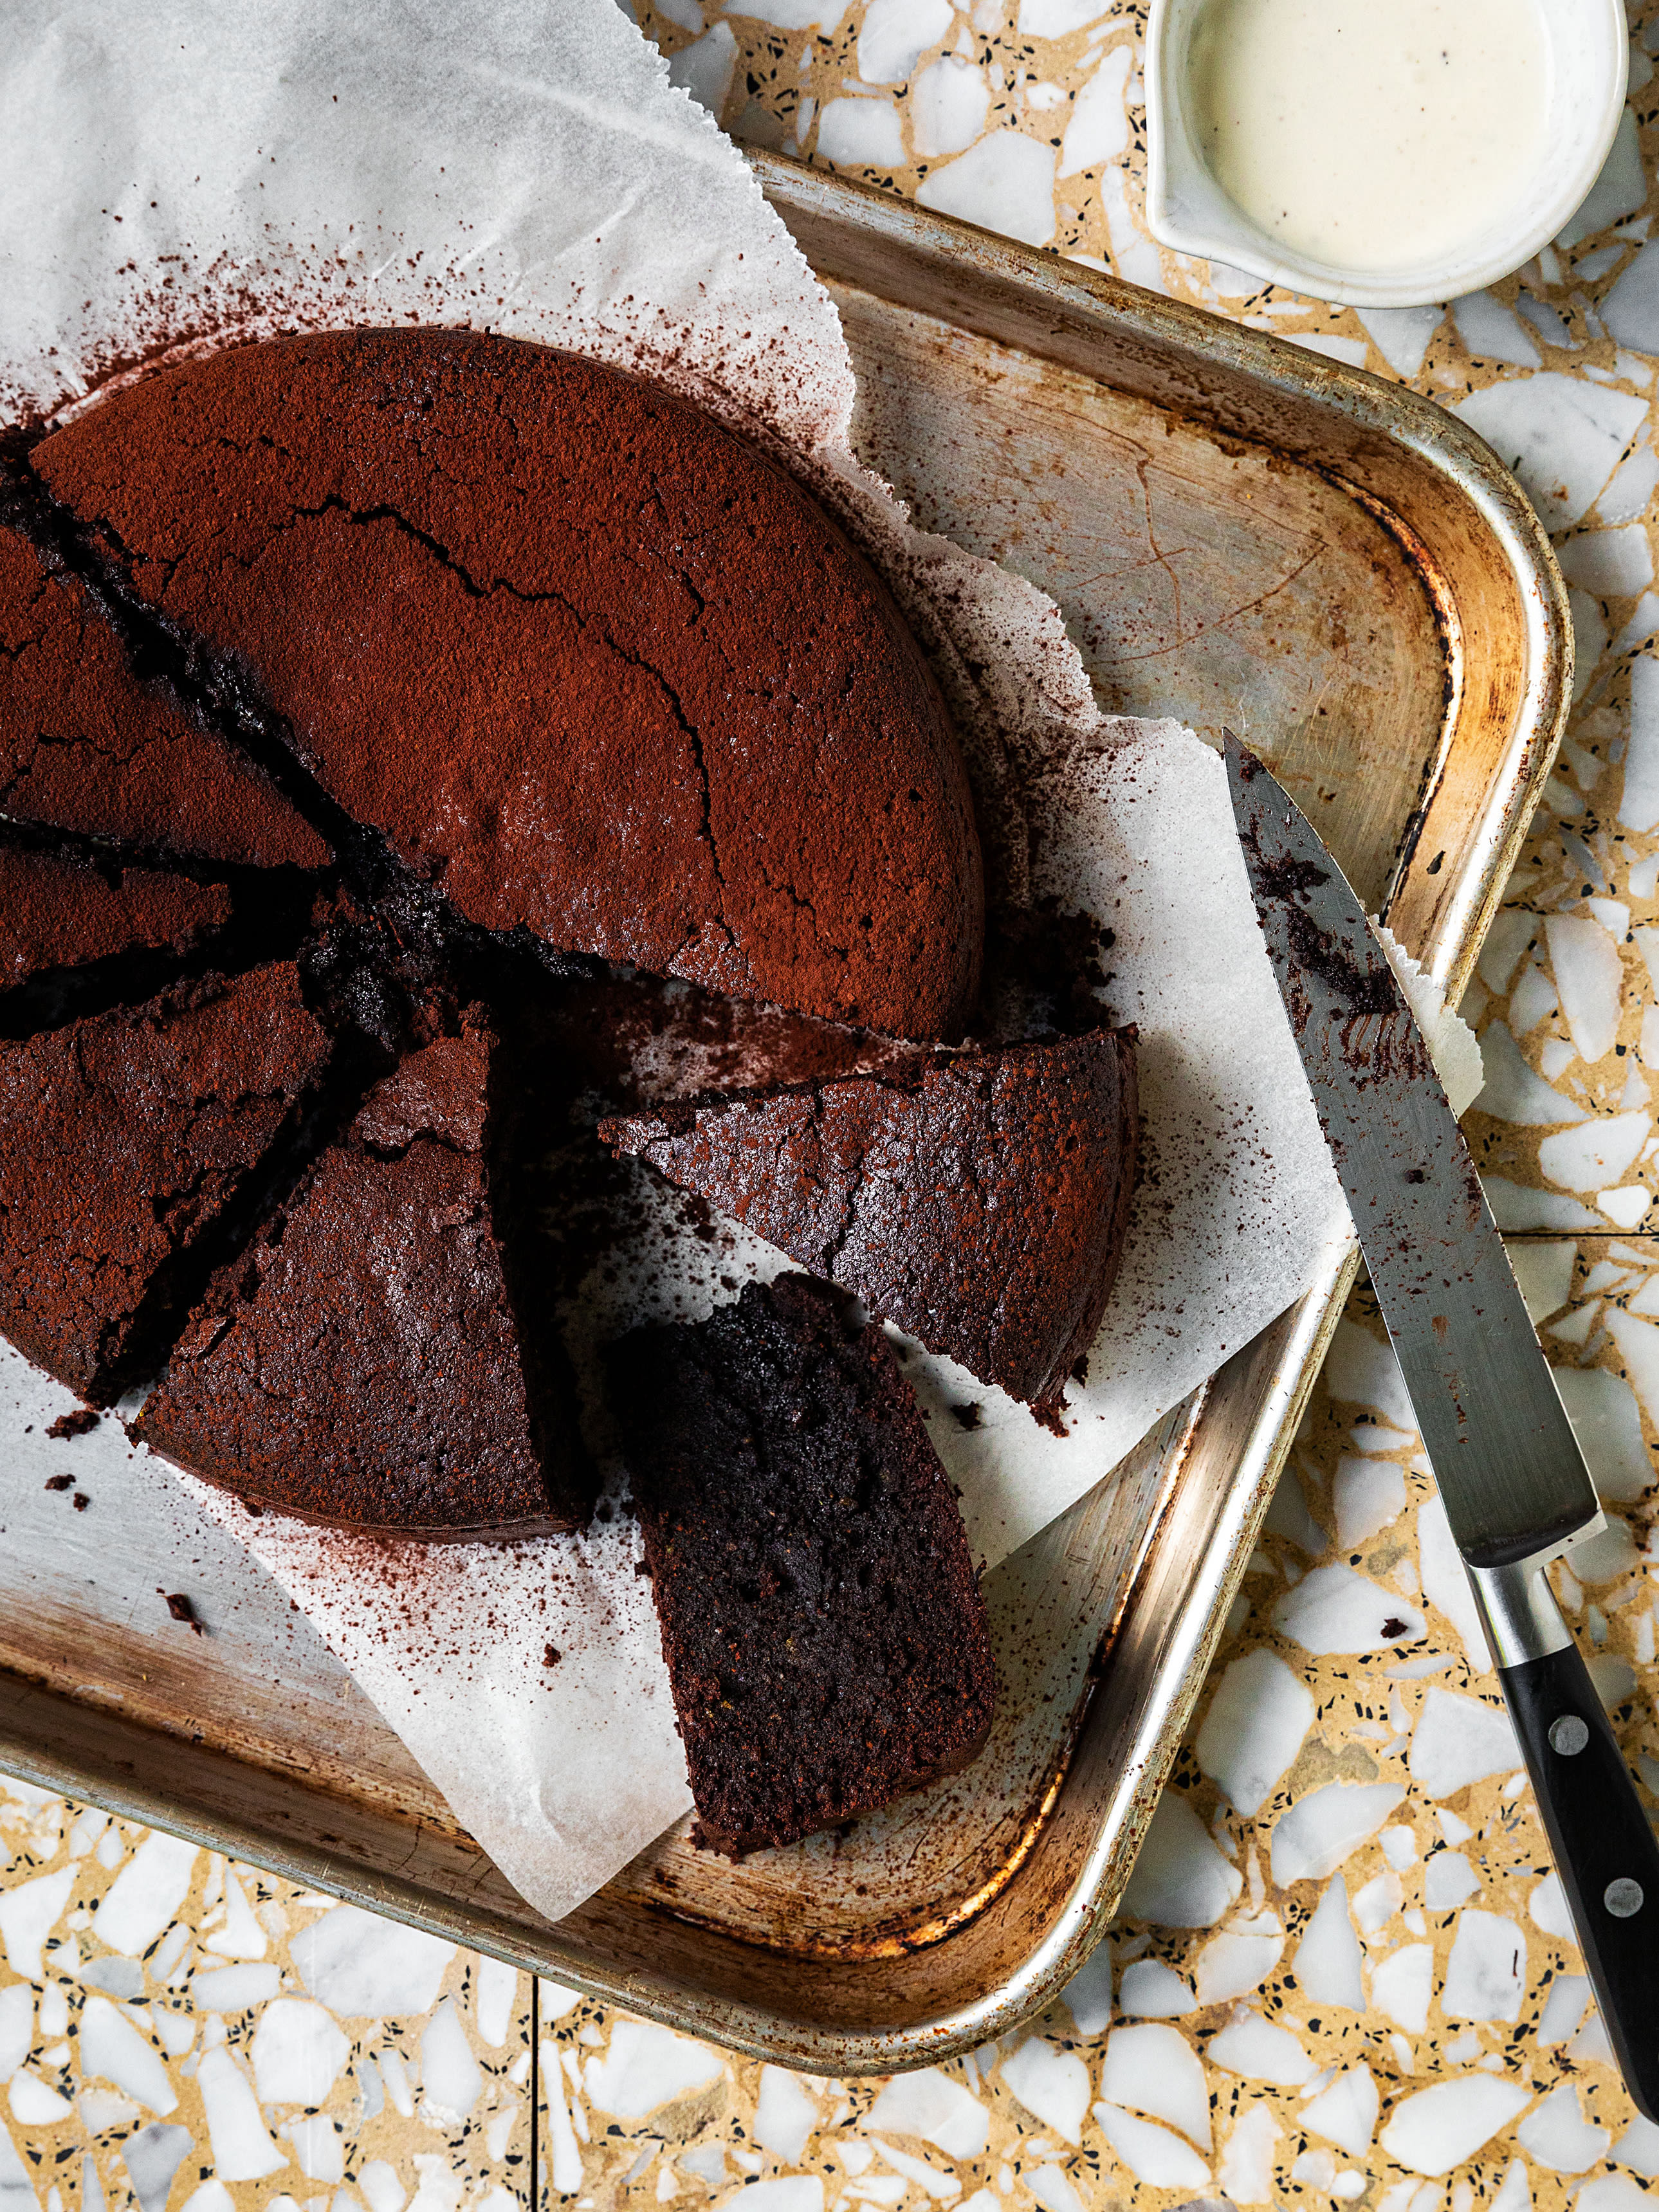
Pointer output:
x,y
178,173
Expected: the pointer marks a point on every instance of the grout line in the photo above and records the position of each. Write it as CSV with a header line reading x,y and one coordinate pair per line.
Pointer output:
x,y
535,2093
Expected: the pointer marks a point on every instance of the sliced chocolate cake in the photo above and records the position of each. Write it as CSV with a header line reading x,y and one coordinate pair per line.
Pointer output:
x,y
979,1201
127,1142
822,1626
576,651
374,1358
85,746
59,910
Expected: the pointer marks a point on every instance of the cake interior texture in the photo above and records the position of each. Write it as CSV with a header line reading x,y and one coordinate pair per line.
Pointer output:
x,y
821,1619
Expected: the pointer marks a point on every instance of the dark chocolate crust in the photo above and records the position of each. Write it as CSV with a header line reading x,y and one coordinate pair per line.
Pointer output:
x,y
363,1362
586,660
58,910
86,746
979,1202
126,1141
825,1637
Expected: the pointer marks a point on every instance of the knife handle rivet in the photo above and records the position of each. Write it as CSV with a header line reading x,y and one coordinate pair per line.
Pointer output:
x,y
1569,1735
1623,1898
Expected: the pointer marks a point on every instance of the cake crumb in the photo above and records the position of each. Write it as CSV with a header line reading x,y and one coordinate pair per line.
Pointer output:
x,y
181,1609
60,1481
79,1423
552,1656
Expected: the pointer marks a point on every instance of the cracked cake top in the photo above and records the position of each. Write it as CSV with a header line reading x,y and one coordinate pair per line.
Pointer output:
x,y
590,663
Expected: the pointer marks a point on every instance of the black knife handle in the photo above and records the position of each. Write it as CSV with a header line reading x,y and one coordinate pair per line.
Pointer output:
x,y
1605,1852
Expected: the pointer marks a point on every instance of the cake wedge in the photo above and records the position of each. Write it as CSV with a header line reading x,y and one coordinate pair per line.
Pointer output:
x,y
979,1201
822,1625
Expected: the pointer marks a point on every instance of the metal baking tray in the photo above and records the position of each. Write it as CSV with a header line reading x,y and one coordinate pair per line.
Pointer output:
x,y
1240,531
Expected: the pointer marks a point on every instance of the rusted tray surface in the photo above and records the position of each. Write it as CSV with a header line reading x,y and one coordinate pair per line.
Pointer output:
x,y
1238,531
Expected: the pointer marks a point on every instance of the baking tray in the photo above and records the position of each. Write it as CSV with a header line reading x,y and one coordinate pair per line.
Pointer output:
x,y
1239,532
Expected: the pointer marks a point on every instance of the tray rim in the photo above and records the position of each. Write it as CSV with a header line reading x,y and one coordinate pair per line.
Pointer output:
x,y
1104,307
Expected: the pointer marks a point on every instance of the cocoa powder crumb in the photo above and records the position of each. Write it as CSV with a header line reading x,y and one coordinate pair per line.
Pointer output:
x,y
181,1609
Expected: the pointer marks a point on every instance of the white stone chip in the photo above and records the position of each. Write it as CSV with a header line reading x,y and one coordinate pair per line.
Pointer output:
x,y
1257,1719
1607,1423
1179,1880
1313,1837
1245,2175
1099,127
1154,2069
1328,1958
1152,2154
1447,1880
1639,2149
1612,2192
242,1937
28,1912
242,2148
1595,1153
644,2067
1402,1986
452,2080
357,1963
1589,975
1253,2047
1562,436
1459,1740
928,2104
1516,1092
1513,2194
1334,1609
861,134
1150,1990
146,1894
1089,1992
495,1995
1345,2113
786,2115
1557,2134
1239,1959
16,2027
895,33
113,2047
1613,564
298,2050
1546,1908
1052,2084
1004,183
949,102
1563,2008
1367,1494
1402,335
1487,1971
1437,2128
234,1989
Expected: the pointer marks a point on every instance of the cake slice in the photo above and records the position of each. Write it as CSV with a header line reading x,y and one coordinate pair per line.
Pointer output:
x,y
128,1143
979,1201
825,1637
85,746
374,1358
59,911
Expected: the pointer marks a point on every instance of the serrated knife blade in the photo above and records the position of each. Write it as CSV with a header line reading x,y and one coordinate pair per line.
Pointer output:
x,y
1508,1467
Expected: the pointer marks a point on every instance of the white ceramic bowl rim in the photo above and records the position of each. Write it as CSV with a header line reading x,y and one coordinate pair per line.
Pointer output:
x,y
1188,210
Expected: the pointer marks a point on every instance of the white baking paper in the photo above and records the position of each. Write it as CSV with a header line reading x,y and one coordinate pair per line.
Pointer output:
x,y
178,172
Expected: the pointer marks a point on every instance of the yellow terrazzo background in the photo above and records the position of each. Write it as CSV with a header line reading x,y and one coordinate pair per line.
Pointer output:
x,y
193,2046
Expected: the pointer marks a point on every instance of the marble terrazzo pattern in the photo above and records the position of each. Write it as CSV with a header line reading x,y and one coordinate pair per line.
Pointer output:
x,y
1343,1974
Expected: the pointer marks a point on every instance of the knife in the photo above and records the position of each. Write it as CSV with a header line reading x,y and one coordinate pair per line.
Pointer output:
x,y
1509,1472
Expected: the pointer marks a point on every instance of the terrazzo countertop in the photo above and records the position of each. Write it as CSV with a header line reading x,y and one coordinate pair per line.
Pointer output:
x,y
1344,1971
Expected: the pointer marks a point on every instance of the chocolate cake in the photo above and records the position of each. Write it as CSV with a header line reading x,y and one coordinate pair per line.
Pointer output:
x,y
585,658
374,1358
825,1637
58,910
85,746
979,1201
127,1143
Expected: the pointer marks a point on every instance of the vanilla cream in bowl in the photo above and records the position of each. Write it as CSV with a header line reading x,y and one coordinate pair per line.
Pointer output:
x,y
1385,153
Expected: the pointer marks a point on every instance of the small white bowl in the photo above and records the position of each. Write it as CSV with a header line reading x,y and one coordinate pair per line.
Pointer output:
x,y
1186,208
